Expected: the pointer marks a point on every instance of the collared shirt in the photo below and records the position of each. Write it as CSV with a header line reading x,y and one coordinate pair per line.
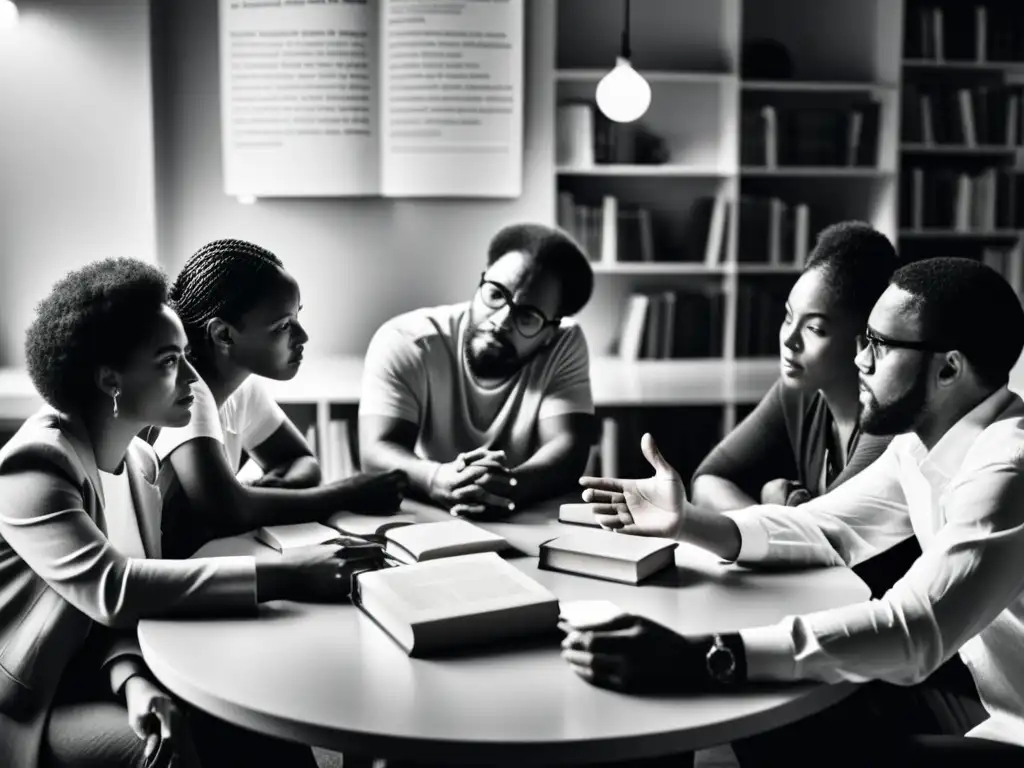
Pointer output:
x,y
964,500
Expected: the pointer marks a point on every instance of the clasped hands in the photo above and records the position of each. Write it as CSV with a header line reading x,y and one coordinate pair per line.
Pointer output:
x,y
629,652
476,483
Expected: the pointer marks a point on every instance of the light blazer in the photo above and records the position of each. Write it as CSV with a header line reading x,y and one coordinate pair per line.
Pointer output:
x,y
59,573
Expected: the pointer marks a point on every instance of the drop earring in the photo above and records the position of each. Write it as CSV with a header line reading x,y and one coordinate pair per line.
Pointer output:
x,y
115,395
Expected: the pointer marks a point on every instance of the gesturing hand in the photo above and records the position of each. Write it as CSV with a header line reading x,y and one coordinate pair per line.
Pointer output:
x,y
475,483
153,715
653,506
635,654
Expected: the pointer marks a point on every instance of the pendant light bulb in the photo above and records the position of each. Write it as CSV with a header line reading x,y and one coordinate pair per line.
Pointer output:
x,y
623,95
8,14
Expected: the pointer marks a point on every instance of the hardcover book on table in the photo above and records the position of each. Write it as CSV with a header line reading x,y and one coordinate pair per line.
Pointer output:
x,y
607,555
454,602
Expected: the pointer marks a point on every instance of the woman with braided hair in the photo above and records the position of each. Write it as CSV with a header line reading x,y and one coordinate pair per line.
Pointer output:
x,y
80,544
240,310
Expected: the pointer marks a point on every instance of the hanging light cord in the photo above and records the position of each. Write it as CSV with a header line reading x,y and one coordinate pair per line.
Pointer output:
x,y
625,33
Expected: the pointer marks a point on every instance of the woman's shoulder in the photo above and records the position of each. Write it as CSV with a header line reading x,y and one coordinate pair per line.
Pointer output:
x,y
47,439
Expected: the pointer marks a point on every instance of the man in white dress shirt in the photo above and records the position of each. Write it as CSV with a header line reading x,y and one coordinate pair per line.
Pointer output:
x,y
934,364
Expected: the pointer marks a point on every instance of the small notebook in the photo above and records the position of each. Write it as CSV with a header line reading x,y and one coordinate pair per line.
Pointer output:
x,y
607,555
430,541
286,537
578,514
455,602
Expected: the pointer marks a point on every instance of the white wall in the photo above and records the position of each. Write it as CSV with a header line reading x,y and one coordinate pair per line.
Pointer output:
x,y
358,261
76,148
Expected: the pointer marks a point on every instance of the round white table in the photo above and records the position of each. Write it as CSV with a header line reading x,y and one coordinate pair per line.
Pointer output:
x,y
328,676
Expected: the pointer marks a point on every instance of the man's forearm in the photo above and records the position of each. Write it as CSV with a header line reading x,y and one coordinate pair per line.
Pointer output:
x,y
303,472
717,493
554,469
384,456
711,530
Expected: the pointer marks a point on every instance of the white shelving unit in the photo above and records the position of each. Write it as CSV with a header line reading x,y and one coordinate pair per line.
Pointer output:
x,y
690,51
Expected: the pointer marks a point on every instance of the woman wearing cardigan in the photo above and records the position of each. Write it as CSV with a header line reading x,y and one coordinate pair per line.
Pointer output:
x,y
80,540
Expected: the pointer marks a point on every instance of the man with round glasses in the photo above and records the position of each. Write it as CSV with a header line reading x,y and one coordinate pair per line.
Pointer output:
x,y
934,364
486,404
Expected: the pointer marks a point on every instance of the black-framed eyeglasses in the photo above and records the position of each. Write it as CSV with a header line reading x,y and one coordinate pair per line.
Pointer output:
x,y
880,344
529,321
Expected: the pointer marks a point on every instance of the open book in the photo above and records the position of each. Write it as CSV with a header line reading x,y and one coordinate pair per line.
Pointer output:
x,y
372,98
455,602
430,541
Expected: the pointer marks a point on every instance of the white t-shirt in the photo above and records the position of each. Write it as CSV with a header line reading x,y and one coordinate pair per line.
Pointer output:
x,y
415,370
119,512
247,418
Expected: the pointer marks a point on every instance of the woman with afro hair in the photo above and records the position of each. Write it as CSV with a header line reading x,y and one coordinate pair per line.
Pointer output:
x,y
80,542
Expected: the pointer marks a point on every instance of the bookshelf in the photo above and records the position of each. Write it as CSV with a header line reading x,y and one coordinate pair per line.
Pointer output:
x,y
704,214
962,133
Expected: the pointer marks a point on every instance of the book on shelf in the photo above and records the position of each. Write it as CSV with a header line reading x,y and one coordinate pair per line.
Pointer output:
x,y
339,461
672,324
432,541
963,31
608,232
773,135
441,605
607,555
773,231
961,201
584,137
988,115
1009,262
760,310
707,230
574,129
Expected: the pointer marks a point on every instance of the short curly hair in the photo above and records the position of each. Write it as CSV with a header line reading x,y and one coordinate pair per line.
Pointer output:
x,y
857,262
225,279
554,252
965,305
93,316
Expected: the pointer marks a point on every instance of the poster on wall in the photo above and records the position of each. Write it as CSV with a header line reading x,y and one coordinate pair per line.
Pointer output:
x,y
393,98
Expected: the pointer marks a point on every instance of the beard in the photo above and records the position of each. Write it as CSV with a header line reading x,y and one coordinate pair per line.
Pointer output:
x,y
899,415
489,356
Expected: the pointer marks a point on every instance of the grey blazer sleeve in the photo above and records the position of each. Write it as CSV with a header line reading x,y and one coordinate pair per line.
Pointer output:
x,y
43,519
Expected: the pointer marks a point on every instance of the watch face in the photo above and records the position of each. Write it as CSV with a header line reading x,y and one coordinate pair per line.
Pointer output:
x,y
721,663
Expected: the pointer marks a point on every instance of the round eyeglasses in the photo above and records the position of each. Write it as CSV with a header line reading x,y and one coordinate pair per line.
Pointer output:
x,y
529,321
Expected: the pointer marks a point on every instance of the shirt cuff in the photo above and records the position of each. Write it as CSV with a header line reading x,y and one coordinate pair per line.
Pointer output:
x,y
770,653
753,537
235,581
122,669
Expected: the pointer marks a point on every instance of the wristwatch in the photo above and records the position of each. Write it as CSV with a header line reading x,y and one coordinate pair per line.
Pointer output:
x,y
721,662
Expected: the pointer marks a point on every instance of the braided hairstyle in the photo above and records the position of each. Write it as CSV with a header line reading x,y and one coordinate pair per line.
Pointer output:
x,y
225,279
